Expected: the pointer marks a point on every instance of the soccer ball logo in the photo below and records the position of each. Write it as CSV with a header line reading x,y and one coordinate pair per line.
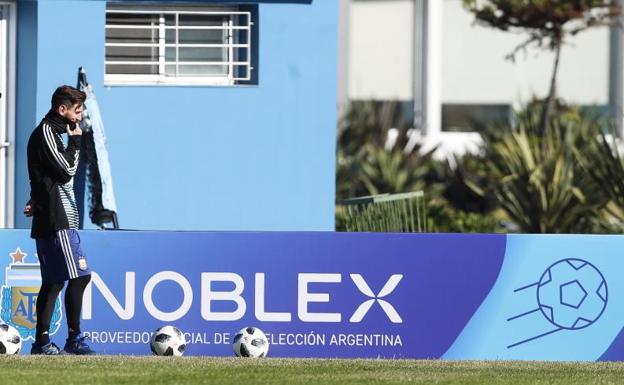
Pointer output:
x,y
572,294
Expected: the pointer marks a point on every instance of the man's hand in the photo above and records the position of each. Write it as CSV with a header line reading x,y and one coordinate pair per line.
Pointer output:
x,y
28,209
75,131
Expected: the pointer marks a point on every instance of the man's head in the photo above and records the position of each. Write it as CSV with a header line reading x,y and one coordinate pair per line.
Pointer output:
x,y
68,102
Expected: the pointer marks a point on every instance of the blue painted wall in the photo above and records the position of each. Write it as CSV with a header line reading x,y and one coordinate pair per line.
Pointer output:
x,y
201,158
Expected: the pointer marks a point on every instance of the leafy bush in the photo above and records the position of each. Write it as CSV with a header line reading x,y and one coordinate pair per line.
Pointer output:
x,y
447,219
565,180
366,166
536,177
602,160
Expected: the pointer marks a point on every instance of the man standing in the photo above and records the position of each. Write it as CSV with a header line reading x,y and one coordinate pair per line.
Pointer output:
x,y
51,168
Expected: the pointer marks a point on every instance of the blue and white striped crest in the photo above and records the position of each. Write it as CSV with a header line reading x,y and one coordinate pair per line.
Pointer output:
x,y
18,297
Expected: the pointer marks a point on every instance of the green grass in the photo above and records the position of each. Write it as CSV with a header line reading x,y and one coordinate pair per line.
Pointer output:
x,y
205,370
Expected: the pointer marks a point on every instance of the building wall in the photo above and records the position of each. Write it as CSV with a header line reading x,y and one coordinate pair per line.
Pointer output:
x,y
475,70
381,49
206,158
473,66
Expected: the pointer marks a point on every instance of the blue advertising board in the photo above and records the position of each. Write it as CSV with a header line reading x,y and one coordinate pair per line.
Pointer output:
x,y
316,294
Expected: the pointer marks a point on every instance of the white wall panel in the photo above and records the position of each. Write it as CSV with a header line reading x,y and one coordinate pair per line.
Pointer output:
x,y
475,71
381,49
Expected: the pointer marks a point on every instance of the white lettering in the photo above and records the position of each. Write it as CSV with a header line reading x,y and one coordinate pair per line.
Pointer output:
x,y
305,297
261,314
388,288
186,302
125,313
208,296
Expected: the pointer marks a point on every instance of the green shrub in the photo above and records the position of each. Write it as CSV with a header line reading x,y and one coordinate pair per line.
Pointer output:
x,y
536,178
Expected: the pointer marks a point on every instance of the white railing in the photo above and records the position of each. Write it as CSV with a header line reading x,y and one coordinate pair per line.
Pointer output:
x,y
236,27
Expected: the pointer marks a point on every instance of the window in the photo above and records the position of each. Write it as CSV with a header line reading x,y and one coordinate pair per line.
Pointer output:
x,y
469,117
181,45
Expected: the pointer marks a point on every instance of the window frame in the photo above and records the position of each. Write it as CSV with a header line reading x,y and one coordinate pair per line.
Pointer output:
x,y
233,46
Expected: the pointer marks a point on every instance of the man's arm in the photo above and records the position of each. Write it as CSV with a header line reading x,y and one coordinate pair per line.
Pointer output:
x,y
63,161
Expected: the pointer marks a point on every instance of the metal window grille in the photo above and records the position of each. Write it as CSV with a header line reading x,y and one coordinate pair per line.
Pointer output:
x,y
152,45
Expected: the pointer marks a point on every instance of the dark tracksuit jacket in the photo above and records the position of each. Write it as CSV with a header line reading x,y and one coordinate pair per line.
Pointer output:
x,y
51,168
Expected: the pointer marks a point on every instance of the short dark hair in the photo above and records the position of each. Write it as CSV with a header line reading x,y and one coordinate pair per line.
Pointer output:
x,y
67,96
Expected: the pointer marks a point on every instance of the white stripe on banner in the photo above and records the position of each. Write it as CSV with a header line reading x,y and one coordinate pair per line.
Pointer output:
x,y
67,252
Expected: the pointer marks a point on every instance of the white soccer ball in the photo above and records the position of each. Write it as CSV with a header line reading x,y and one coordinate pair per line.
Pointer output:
x,y
168,341
10,340
250,342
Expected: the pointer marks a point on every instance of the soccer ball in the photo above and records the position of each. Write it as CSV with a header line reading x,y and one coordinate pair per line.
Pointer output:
x,y
250,342
168,341
572,294
10,340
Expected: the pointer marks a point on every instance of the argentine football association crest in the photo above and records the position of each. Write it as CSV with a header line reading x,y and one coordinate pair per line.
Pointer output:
x,y
18,296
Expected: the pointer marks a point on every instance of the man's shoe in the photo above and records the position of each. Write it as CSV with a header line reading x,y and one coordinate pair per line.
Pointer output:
x,y
47,350
78,346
